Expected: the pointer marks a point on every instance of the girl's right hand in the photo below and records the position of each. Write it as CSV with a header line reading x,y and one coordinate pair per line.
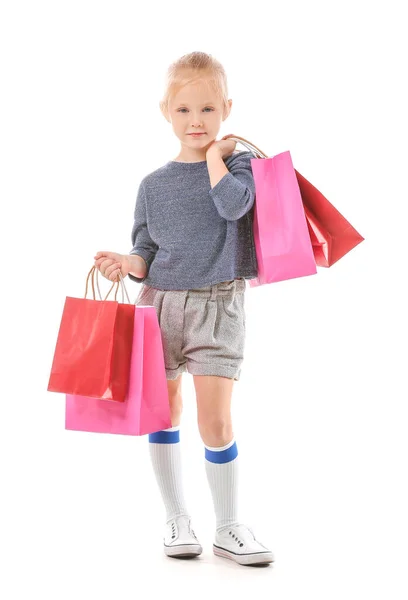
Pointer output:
x,y
111,263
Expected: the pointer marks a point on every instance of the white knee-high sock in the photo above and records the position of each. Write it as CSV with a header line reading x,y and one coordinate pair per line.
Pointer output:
x,y
165,454
221,465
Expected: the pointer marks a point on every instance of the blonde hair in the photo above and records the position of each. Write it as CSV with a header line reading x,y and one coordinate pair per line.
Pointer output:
x,y
192,67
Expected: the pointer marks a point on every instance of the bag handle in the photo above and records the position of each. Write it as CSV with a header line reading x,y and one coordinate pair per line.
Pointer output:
x,y
122,283
251,147
95,270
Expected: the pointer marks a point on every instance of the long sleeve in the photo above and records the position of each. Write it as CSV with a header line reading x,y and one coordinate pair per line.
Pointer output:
x,y
234,194
143,245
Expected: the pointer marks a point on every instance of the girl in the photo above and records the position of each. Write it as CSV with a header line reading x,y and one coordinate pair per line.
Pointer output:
x,y
193,248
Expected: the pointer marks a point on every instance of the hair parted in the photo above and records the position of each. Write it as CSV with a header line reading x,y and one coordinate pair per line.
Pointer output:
x,y
195,66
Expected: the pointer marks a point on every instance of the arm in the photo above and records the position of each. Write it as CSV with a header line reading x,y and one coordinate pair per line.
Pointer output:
x,y
144,248
232,188
216,167
138,266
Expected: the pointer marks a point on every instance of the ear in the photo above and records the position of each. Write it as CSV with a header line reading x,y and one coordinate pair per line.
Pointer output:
x,y
164,111
227,110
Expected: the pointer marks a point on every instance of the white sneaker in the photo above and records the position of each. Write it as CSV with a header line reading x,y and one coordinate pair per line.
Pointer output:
x,y
179,539
237,542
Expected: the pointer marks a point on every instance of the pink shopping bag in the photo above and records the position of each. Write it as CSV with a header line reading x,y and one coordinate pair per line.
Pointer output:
x,y
282,240
146,407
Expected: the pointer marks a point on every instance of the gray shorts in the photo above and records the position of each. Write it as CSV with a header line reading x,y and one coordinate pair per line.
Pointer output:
x,y
203,330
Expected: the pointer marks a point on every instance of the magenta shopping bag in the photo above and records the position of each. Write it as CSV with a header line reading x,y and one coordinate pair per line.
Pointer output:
x,y
282,241
146,407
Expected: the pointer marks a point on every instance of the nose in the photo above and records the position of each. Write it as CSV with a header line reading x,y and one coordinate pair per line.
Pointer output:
x,y
197,121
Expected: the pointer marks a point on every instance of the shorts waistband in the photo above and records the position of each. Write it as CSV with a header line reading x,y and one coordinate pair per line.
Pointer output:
x,y
224,289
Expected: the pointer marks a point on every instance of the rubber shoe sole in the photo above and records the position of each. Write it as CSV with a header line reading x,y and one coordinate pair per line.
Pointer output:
x,y
183,550
254,558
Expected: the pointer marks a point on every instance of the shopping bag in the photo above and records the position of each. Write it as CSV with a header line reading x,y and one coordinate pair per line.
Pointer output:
x,y
331,234
282,241
146,408
93,349
281,236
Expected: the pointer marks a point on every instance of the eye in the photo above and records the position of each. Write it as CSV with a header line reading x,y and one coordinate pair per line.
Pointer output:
x,y
182,109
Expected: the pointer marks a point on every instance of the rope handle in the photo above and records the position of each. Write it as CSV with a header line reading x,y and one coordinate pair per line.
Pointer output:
x,y
252,148
120,281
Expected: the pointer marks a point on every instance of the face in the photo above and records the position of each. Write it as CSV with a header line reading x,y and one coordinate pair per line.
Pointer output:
x,y
196,108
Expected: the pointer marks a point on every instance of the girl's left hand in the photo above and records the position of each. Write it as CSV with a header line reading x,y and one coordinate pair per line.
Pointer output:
x,y
224,146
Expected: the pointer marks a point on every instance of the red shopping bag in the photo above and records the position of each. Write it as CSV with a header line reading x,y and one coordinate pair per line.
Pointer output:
x,y
331,234
146,408
93,349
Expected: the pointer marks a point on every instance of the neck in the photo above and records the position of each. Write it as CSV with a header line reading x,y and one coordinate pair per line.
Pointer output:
x,y
187,154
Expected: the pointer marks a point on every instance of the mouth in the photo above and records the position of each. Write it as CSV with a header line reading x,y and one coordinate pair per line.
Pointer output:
x,y
196,134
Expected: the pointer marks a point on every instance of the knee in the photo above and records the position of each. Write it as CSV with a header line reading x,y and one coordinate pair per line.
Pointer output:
x,y
215,432
176,408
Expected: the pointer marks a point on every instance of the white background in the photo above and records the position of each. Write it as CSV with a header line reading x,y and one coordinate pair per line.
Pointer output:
x,y
320,413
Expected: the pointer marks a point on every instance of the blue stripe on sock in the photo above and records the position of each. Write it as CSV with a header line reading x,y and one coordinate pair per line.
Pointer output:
x,y
222,456
165,437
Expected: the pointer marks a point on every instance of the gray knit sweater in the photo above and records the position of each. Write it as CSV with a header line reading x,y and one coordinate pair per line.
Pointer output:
x,y
191,235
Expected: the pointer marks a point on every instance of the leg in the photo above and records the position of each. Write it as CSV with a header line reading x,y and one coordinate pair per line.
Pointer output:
x,y
213,395
165,454
233,540
175,400
214,422
179,538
